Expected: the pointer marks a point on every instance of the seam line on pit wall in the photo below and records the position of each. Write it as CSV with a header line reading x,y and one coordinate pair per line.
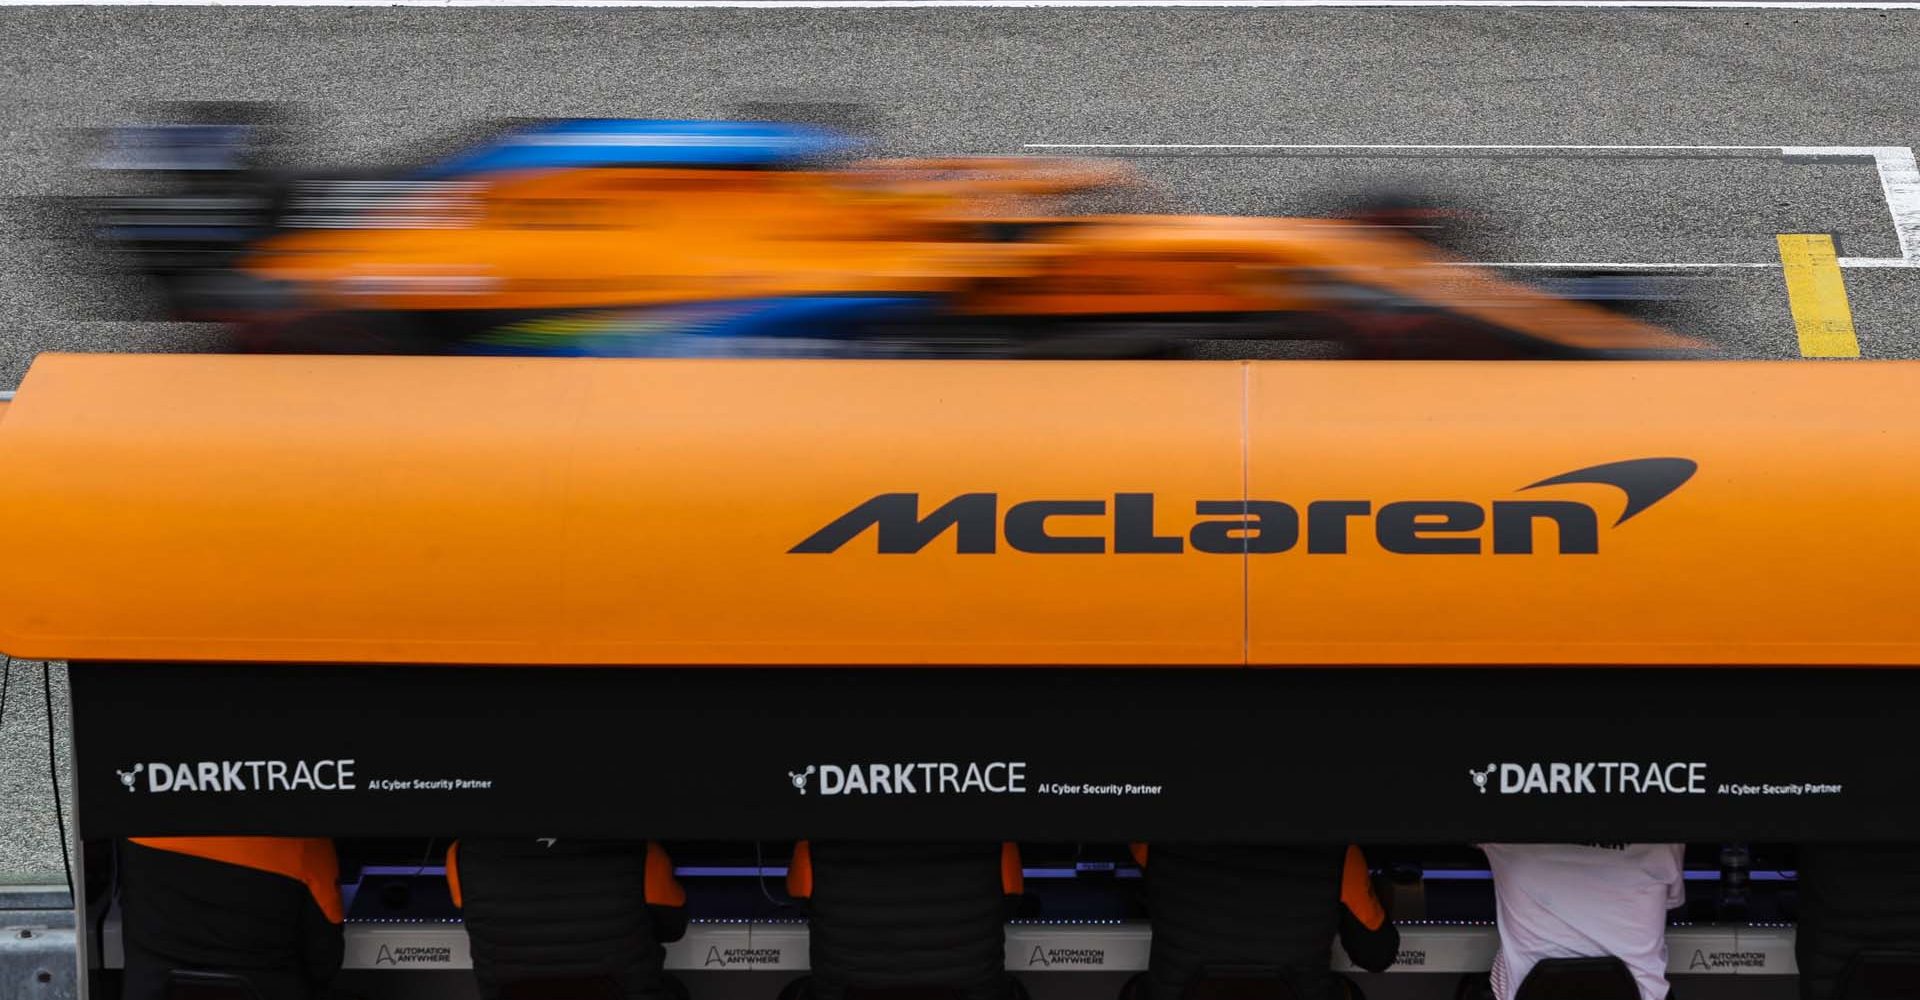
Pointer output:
x,y
1817,294
1246,503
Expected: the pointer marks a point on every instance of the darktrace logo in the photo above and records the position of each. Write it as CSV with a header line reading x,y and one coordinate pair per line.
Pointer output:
x,y
1047,958
1608,777
325,775
1128,524
998,777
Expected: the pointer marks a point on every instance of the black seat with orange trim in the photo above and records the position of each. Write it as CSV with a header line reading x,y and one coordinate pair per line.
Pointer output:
x,y
1234,920
920,921
1859,921
1596,978
565,919
254,917
188,984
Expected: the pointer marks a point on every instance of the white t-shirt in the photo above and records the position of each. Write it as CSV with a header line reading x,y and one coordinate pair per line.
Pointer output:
x,y
1583,901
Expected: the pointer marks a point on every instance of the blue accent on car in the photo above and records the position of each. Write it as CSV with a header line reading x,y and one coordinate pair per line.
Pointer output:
x,y
176,148
622,142
785,326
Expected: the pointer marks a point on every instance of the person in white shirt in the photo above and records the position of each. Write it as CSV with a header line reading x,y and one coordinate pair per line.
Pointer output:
x,y
1584,901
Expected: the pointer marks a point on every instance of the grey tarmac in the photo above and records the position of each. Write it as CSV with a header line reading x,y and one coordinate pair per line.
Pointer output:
x,y
379,81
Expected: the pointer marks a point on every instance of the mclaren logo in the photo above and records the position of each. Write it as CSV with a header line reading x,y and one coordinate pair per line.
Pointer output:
x,y
1229,527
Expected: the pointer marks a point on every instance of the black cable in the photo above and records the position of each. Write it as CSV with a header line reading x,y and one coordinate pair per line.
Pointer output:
x,y
112,897
425,857
760,873
6,678
6,674
53,772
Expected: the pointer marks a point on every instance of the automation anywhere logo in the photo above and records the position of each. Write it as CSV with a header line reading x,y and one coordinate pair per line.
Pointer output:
x,y
762,957
413,955
1047,958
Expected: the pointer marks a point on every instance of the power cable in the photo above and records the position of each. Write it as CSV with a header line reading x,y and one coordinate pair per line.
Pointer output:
x,y
53,775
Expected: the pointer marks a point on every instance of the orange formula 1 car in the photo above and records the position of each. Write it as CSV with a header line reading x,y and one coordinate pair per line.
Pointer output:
x,y
664,238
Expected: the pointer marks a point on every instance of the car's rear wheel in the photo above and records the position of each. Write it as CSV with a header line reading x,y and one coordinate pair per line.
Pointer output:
x,y
339,333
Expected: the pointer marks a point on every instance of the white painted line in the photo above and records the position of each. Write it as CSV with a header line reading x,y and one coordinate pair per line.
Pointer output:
x,y
1899,174
1900,182
1619,265
1430,149
884,4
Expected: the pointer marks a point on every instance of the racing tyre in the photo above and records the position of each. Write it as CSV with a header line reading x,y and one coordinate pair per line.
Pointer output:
x,y
340,333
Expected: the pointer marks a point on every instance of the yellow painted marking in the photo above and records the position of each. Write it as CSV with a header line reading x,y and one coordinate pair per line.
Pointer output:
x,y
1818,296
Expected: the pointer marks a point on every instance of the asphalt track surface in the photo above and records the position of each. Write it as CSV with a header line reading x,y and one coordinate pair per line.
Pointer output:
x,y
377,81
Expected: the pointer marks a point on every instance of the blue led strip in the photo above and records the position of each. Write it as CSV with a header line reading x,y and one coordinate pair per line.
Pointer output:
x,y
780,871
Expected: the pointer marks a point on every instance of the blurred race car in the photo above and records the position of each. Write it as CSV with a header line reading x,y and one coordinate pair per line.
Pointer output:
x,y
672,238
